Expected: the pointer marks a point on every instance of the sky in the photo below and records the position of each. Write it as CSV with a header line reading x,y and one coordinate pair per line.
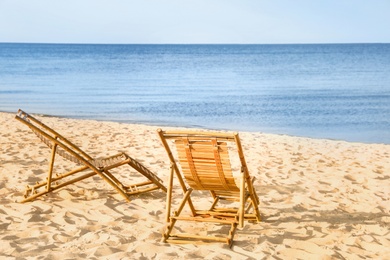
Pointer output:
x,y
195,21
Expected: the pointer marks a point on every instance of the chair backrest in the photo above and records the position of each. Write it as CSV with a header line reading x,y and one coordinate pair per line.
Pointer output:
x,y
51,138
205,163
204,158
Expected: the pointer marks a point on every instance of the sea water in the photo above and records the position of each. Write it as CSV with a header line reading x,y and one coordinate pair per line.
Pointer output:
x,y
335,91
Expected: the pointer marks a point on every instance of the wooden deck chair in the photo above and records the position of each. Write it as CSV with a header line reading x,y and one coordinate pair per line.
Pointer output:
x,y
87,166
205,166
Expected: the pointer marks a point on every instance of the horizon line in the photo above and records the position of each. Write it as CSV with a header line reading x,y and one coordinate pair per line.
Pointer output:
x,y
99,43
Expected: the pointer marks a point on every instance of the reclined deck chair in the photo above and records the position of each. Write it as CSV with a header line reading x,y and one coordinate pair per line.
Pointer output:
x,y
87,166
205,166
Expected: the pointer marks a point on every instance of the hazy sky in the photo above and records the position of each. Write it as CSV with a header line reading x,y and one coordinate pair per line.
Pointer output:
x,y
195,21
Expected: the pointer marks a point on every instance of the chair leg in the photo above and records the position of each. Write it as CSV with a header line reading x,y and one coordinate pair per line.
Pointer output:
x,y
256,209
242,201
172,222
169,195
232,232
51,165
114,179
214,203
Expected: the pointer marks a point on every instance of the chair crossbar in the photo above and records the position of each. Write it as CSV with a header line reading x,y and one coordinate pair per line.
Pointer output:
x,y
206,219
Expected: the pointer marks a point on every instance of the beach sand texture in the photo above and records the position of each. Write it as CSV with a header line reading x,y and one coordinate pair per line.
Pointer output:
x,y
320,199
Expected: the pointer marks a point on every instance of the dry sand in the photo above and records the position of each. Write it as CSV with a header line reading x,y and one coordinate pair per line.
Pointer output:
x,y
320,199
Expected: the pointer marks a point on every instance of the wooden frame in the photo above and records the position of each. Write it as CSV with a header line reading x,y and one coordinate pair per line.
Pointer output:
x,y
87,166
205,166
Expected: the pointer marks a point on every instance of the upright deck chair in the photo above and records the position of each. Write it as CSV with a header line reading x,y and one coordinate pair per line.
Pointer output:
x,y
87,166
205,166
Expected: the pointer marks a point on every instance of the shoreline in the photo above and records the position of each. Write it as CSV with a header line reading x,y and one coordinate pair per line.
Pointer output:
x,y
319,198
153,124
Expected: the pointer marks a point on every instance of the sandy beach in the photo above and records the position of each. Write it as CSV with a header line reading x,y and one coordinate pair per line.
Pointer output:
x,y
320,199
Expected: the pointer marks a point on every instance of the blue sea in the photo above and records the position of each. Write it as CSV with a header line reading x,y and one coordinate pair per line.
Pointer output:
x,y
332,91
